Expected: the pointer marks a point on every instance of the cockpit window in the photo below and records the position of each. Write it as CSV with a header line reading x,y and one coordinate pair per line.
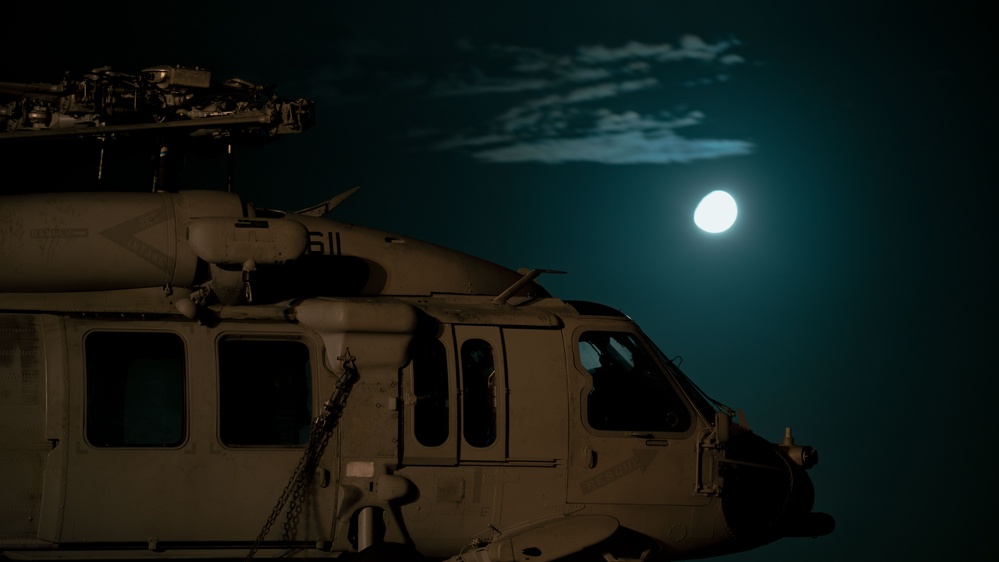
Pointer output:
x,y
629,391
704,404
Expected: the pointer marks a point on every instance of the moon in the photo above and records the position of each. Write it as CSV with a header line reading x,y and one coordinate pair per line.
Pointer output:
x,y
716,212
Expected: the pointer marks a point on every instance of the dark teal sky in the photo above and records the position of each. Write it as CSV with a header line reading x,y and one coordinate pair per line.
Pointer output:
x,y
854,300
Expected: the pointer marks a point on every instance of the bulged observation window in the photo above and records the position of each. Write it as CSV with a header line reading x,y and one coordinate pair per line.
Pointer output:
x,y
431,413
479,400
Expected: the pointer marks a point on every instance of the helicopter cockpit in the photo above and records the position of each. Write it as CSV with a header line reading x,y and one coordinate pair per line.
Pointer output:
x,y
630,391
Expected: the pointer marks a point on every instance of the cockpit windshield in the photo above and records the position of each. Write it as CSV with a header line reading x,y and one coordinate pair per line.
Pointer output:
x,y
630,391
706,405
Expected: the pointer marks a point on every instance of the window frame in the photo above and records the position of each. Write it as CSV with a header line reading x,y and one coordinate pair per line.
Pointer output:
x,y
496,450
654,357
428,374
314,362
415,452
485,423
88,406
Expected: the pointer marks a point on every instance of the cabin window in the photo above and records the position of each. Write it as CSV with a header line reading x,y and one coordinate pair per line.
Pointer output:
x,y
135,389
430,385
629,391
265,392
479,398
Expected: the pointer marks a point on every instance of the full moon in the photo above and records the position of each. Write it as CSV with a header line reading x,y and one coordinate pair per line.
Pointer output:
x,y
716,212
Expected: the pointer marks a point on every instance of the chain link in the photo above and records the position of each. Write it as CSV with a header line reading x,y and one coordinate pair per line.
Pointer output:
x,y
299,487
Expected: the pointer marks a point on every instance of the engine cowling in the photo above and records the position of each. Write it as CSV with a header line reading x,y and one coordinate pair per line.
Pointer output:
x,y
103,241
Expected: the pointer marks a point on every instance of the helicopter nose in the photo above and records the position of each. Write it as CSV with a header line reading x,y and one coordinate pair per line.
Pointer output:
x,y
766,495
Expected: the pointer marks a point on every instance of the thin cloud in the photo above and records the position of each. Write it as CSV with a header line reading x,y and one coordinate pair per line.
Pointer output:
x,y
632,50
465,86
610,138
691,47
633,147
589,63
583,107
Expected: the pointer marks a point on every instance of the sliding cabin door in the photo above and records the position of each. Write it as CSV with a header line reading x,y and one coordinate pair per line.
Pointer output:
x,y
180,433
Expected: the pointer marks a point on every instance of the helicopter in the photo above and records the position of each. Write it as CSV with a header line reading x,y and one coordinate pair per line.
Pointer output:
x,y
186,375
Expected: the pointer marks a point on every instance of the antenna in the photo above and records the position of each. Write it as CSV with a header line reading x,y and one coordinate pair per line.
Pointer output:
x,y
528,276
326,206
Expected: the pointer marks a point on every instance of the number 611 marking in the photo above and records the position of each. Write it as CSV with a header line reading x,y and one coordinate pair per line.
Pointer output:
x,y
327,243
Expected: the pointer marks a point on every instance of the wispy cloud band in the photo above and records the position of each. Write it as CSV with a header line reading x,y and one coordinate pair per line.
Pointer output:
x,y
632,147
577,107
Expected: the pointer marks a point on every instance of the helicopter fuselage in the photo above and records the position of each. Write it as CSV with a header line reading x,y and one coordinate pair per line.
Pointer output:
x,y
168,360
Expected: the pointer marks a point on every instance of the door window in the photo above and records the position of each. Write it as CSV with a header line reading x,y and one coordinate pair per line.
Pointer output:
x,y
431,412
479,399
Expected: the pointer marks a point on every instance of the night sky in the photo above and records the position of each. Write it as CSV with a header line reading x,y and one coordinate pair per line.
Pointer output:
x,y
854,299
